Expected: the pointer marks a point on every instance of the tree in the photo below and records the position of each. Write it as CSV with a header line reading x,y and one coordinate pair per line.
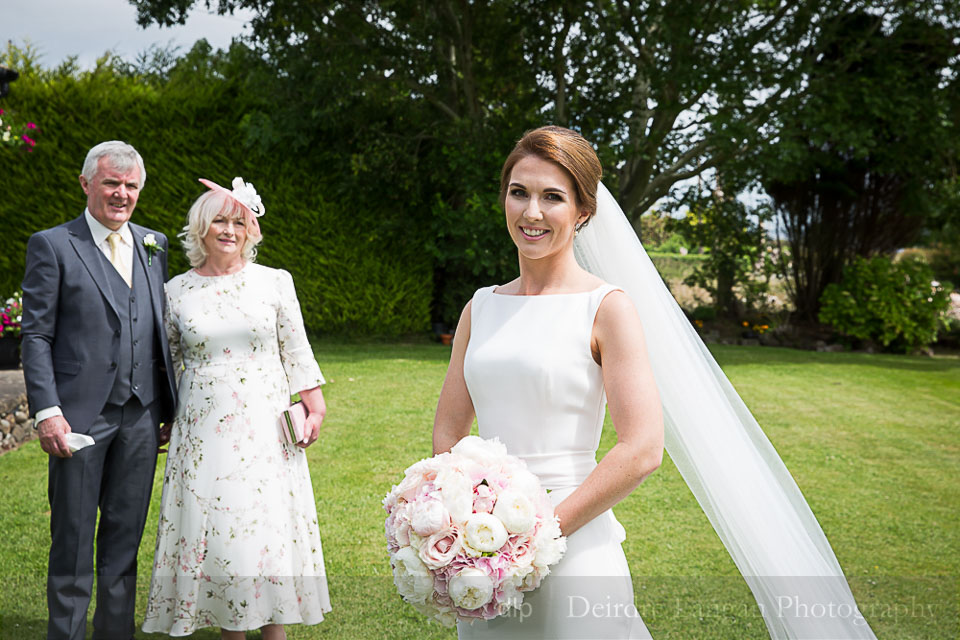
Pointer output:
x,y
410,106
667,89
857,169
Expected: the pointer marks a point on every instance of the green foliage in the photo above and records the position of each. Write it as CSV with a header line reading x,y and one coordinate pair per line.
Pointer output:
x,y
675,243
665,89
897,304
864,165
15,134
189,121
653,230
738,254
471,246
410,104
703,313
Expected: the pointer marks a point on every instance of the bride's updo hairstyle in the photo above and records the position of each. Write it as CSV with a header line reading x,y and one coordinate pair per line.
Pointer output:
x,y
202,213
563,147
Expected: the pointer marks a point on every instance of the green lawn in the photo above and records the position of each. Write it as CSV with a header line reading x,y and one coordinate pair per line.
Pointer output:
x,y
872,440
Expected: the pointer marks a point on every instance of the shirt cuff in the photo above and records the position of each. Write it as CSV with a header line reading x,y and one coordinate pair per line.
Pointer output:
x,y
49,412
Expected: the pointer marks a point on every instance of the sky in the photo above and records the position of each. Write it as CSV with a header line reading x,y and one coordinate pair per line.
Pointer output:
x,y
88,28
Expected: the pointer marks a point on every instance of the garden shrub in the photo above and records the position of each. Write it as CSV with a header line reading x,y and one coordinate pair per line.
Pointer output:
x,y
350,278
704,313
898,305
673,244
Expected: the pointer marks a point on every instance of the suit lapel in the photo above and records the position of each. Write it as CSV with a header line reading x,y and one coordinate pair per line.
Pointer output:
x,y
151,273
90,256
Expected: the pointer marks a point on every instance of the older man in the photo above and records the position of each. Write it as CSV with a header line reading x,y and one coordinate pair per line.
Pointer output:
x,y
96,362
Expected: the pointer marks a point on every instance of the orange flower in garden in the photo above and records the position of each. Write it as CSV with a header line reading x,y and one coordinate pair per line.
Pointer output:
x,y
699,323
745,323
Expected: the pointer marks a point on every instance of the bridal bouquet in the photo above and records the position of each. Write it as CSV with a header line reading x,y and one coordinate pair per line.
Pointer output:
x,y
469,532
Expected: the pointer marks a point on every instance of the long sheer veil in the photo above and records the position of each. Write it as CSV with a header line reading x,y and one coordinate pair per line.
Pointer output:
x,y
727,461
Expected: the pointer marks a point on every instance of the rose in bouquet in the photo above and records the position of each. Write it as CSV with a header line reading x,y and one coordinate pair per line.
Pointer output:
x,y
469,532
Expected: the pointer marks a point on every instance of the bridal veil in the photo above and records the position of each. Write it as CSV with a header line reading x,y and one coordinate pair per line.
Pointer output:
x,y
725,458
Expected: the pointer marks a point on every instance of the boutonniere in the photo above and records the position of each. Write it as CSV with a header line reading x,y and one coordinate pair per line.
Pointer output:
x,y
152,246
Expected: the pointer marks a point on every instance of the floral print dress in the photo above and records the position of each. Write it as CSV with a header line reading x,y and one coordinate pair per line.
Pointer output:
x,y
238,544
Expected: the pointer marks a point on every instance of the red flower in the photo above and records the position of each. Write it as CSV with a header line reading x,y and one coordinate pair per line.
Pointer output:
x,y
30,125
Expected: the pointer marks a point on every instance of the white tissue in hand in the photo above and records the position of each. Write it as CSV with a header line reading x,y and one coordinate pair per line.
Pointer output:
x,y
77,441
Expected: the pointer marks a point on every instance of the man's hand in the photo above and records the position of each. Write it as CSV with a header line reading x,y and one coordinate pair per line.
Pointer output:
x,y
52,440
164,437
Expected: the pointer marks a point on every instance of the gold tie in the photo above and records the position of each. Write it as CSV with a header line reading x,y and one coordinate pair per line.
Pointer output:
x,y
114,240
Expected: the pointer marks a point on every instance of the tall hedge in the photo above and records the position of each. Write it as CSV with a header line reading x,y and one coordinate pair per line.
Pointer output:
x,y
190,125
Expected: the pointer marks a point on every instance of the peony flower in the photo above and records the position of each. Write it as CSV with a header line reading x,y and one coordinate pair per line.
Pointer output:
x,y
483,532
515,511
456,493
416,540
483,499
426,469
470,588
407,489
441,548
524,482
429,517
531,580
510,596
401,524
549,544
487,452
411,576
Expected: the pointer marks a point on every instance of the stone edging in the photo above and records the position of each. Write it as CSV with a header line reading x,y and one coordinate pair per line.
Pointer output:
x,y
16,425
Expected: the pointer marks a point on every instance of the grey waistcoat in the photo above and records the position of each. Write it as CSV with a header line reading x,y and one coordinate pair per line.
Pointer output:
x,y
136,366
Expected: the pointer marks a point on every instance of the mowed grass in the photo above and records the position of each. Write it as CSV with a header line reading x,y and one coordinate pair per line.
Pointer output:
x,y
872,441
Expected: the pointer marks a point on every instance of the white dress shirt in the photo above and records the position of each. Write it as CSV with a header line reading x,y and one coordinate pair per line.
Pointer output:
x,y
125,251
100,233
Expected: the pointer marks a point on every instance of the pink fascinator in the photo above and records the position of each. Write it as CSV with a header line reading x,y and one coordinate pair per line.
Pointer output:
x,y
246,195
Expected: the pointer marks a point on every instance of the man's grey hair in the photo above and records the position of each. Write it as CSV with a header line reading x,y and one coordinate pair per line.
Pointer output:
x,y
121,156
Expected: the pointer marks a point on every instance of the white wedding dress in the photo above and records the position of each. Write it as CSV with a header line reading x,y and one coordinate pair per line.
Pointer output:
x,y
535,386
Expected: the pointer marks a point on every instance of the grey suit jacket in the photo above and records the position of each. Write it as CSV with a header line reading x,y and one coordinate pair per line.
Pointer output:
x,y
70,330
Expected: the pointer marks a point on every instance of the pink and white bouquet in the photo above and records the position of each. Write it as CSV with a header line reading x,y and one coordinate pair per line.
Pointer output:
x,y
469,532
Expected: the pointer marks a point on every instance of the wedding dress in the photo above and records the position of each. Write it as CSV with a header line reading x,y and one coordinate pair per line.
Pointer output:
x,y
535,386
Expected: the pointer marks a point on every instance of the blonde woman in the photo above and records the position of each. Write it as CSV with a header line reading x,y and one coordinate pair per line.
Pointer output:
x,y
238,545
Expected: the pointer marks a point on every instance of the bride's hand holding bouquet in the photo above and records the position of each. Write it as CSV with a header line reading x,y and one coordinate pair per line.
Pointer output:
x,y
469,532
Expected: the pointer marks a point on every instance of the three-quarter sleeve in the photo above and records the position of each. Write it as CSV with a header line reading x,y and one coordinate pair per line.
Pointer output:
x,y
173,333
301,367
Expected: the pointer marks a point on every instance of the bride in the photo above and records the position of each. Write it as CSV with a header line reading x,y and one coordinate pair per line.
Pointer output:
x,y
537,360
